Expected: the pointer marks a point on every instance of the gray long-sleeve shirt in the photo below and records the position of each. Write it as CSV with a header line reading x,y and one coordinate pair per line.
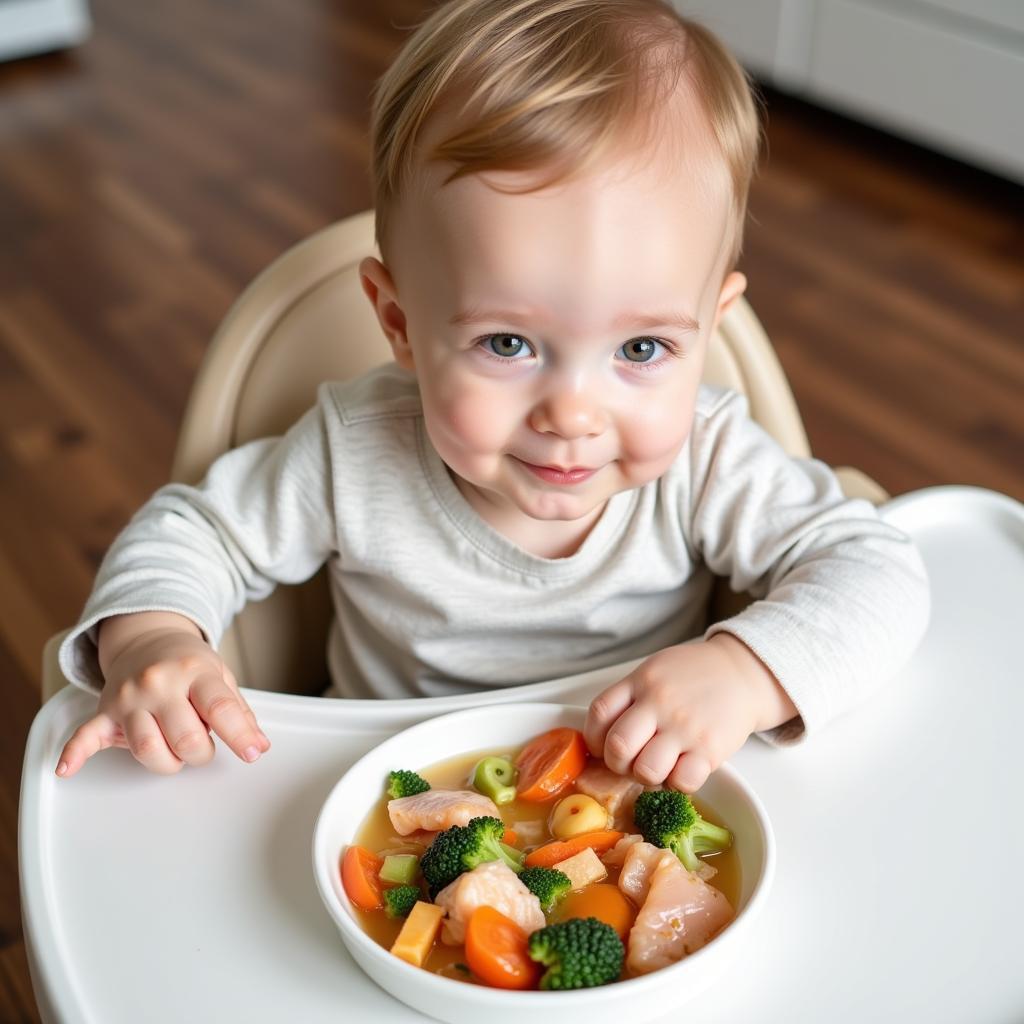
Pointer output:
x,y
430,600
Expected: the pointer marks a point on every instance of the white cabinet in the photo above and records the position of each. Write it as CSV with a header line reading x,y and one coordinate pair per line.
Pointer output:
x,y
34,26
945,73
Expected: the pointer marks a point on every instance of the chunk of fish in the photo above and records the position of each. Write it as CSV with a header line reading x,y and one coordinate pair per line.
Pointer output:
x,y
438,809
492,884
415,842
529,833
616,793
617,854
638,867
680,914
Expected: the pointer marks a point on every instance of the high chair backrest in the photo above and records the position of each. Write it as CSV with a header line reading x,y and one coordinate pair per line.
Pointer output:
x,y
304,320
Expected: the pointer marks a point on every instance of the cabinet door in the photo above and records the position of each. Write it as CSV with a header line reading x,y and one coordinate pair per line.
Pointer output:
x,y
750,28
772,38
932,78
997,14
35,26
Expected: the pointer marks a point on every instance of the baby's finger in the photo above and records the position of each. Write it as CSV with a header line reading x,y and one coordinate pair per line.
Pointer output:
x,y
223,710
185,732
148,744
690,772
604,709
230,679
89,738
657,759
629,734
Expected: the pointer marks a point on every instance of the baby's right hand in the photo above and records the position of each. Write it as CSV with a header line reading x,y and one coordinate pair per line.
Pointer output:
x,y
165,690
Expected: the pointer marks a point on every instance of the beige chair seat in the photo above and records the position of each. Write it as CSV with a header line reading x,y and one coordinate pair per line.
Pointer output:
x,y
304,320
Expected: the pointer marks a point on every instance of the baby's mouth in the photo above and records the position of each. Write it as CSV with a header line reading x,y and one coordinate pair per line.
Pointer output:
x,y
563,475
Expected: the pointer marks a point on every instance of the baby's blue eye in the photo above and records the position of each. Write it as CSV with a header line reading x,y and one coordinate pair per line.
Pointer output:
x,y
641,350
507,345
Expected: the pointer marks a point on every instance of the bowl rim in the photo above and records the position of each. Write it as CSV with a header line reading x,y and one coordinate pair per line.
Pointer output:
x,y
440,985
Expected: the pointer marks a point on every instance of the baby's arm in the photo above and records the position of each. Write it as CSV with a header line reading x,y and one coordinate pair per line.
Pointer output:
x,y
165,689
684,711
842,603
170,584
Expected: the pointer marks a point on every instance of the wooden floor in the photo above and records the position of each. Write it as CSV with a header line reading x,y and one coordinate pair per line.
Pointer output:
x,y
148,176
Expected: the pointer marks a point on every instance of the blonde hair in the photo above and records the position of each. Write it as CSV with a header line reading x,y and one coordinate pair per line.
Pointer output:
x,y
549,84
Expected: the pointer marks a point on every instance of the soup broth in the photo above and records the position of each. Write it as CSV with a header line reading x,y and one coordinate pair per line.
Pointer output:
x,y
378,835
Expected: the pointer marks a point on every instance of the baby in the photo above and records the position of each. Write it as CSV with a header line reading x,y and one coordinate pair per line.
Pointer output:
x,y
538,485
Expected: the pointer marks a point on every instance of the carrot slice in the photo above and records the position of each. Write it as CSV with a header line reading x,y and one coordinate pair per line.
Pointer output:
x,y
549,854
359,876
497,950
549,763
510,838
603,901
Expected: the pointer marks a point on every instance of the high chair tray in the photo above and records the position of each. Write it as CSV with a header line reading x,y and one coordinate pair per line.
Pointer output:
x,y
898,887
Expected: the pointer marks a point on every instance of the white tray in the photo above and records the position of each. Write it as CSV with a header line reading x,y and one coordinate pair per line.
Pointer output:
x,y
191,898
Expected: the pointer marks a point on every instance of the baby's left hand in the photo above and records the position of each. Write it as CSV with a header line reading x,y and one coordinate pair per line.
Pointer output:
x,y
678,715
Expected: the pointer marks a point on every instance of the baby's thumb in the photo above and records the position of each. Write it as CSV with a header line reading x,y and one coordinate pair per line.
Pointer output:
x,y
100,732
229,678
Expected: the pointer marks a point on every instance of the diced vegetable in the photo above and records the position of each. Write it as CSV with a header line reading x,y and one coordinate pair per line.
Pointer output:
x,y
360,871
576,815
418,934
550,854
461,847
496,777
400,900
550,763
579,953
604,901
400,868
514,854
549,885
667,818
583,868
497,950
404,783
509,838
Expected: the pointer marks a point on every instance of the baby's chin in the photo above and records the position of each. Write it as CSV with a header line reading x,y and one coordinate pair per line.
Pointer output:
x,y
560,508
511,497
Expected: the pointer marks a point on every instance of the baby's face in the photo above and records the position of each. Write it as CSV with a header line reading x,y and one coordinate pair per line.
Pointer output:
x,y
558,336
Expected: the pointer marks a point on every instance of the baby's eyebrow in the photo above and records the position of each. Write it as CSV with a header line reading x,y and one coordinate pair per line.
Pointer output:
x,y
648,321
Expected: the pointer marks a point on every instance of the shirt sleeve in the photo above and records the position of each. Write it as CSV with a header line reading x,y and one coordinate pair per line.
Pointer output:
x,y
842,597
262,515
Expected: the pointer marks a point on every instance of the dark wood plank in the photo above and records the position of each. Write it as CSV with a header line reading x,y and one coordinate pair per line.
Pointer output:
x,y
147,177
891,281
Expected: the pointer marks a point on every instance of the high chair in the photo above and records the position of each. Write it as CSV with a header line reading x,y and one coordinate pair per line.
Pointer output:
x,y
304,320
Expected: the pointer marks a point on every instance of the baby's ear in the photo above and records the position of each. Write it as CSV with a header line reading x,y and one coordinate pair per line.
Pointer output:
x,y
380,289
734,285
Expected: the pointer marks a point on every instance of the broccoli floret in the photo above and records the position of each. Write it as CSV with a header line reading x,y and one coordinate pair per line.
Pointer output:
x,y
549,885
667,818
460,848
517,855
406,783
400,900
579,953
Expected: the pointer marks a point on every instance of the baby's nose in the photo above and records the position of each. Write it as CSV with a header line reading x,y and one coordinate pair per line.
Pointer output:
x,y
568,413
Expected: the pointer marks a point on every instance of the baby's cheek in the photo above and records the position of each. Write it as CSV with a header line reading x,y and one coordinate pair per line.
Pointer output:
x,y
651,439
470,429
480,422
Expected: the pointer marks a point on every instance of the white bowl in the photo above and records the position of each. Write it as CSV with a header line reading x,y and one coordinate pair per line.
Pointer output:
x,y
499,727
